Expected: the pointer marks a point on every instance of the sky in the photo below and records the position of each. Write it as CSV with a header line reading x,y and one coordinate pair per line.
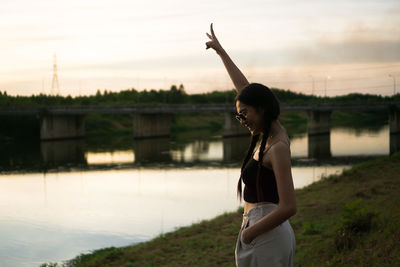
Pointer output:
x,y
313,47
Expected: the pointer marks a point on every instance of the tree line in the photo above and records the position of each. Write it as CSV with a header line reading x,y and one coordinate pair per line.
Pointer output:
x,y
178,95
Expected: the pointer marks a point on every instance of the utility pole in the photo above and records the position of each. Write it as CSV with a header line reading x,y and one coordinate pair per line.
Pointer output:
x,y
55,77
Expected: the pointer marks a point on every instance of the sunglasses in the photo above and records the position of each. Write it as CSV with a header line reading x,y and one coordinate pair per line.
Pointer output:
x,y
240,117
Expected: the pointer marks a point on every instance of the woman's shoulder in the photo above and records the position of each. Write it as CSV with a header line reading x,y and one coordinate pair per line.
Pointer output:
x,y
280,139
277,145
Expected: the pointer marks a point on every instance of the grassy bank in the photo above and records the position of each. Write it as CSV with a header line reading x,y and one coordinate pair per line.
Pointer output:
x,y
347,220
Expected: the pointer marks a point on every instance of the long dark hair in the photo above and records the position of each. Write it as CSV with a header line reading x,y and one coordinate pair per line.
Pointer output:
x,y
262,98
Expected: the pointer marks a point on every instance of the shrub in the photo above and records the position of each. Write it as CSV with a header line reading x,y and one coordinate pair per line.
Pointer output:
x,y
310,229
356,220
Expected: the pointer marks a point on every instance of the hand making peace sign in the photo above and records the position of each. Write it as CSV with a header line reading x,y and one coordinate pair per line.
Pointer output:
x,y
214,43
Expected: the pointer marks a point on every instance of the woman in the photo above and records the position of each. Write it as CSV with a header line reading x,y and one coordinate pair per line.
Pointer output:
x,y
266,237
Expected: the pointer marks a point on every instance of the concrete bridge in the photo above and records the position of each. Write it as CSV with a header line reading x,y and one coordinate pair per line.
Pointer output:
x,y
149,121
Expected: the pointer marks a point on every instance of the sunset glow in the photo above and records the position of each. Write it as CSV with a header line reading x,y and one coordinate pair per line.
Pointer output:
x,y
122,44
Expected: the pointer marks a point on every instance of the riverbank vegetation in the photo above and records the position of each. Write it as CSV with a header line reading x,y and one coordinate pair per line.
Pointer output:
x,y
352,219
178,95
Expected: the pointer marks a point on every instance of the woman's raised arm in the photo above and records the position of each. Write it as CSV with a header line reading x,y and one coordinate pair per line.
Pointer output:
x,y
237,77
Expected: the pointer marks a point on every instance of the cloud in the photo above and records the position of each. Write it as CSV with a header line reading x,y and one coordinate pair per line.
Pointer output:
x,y
345,52
348,52
194,61
358,43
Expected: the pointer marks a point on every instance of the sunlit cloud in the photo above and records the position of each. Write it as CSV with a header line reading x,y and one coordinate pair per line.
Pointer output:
x,y
122,44
349,52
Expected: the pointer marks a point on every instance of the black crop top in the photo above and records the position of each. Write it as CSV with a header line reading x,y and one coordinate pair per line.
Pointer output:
x,y
267,183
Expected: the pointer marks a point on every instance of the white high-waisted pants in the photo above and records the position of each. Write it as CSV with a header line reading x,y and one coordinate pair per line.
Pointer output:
x,y
274,248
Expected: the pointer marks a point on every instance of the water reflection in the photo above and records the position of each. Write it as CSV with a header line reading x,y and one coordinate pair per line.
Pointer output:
x,y
353,142
199,150
319,146
341,142
152,150
303,176
164,151
394,143
345,142
235,148
19,156
114,157
63,152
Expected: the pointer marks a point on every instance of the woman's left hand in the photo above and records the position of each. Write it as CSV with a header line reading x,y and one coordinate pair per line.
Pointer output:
x,y
246,238
214,43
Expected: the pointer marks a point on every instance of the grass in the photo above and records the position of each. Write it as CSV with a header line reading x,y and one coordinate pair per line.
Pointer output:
x,y
347,220
340,207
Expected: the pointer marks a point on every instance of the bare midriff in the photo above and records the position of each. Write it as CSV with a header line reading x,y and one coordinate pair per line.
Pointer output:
x,y
248,206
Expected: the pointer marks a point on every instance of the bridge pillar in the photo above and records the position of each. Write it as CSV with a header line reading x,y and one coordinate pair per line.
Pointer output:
x,y
394,120
151,125
318,128
232,126
319,122
54,127
234,148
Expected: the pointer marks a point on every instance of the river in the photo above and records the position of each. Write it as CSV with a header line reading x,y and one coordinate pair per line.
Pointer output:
x,y
121,197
